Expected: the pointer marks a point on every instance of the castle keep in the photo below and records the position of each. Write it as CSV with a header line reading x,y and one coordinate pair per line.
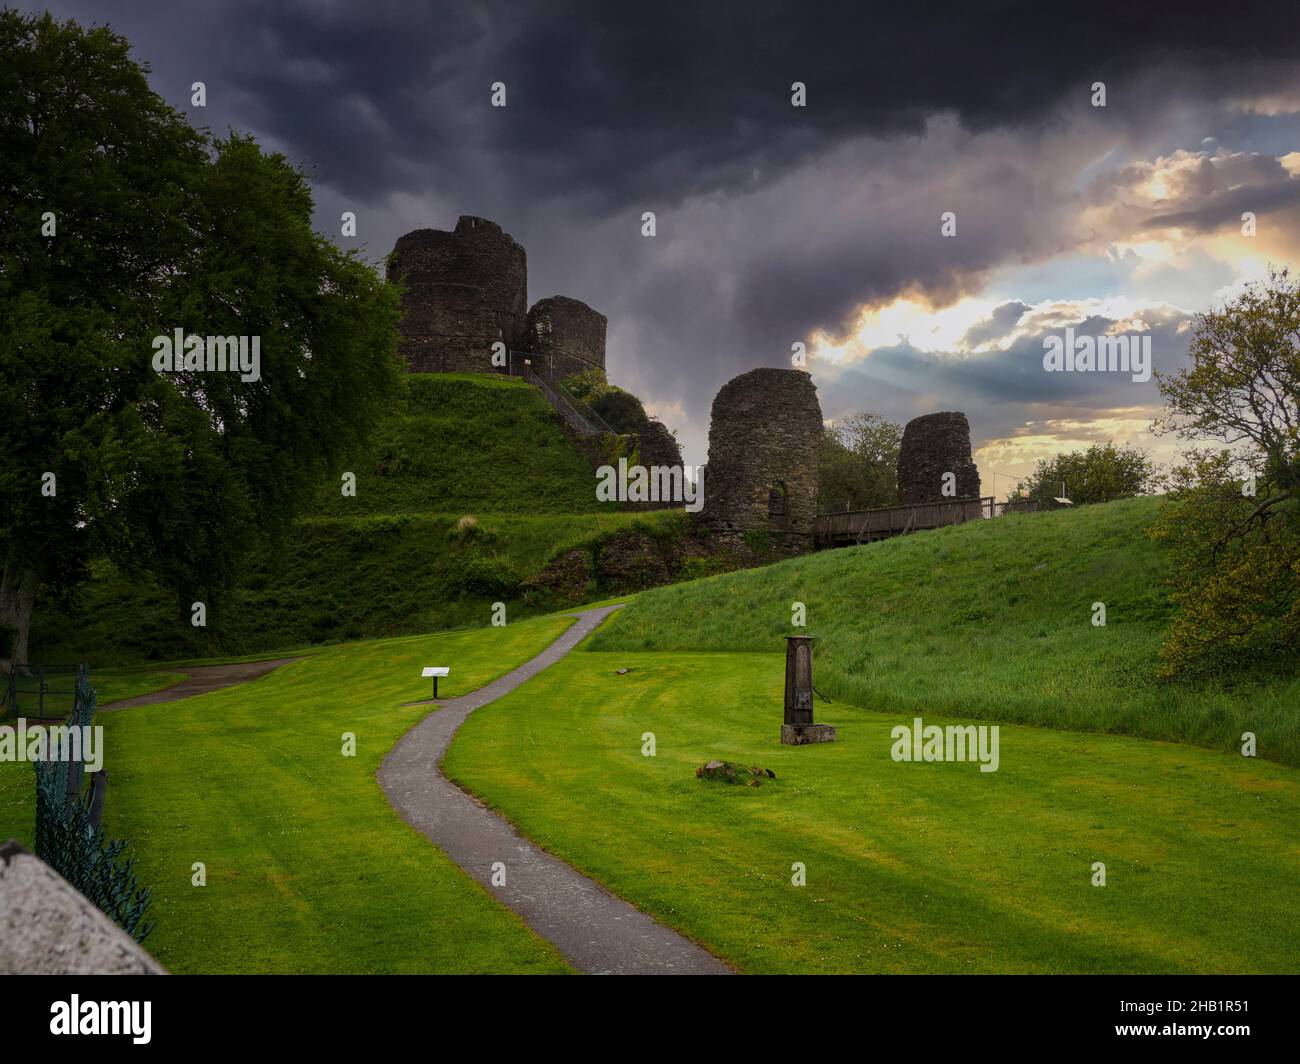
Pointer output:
x,y
935,444
467,289
765,441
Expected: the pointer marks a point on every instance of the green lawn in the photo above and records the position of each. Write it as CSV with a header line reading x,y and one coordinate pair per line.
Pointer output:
x,y
990,619
910,867
308,868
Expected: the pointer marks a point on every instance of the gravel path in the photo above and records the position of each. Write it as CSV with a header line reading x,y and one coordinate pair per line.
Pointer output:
x,y
200,680
595,931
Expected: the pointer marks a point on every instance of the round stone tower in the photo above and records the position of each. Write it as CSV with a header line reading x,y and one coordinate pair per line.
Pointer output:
x,y
765,440
568,334
933,445
465,290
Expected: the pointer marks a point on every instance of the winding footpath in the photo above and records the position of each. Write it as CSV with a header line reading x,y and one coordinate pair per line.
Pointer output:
x,y
199,680
595,931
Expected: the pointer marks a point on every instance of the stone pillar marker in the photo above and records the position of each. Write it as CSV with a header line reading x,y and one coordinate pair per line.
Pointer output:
x,y
798,728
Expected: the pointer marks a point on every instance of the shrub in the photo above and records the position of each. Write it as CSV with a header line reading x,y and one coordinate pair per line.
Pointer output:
x,y
491,575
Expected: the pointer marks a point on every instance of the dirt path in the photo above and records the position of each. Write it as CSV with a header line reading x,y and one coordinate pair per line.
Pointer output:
x,y
595,931
200,680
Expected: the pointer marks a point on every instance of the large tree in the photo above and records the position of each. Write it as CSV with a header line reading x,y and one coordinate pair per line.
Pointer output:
x,y
119,223
1233,519
859,463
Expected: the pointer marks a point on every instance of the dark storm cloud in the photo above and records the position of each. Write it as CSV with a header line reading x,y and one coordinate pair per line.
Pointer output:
x,y
774,221
615,101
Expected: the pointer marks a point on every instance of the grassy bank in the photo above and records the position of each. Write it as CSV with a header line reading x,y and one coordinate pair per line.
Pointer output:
x,y
991,619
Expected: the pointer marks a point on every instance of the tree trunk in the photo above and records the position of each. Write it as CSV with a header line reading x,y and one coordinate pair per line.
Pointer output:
x,y
17,599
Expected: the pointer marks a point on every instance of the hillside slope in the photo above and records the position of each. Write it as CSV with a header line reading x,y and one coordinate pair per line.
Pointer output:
x,y
391,560
470,443
991,619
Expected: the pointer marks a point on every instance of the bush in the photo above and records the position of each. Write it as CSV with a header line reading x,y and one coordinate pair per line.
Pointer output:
x,y
1102,473
491,575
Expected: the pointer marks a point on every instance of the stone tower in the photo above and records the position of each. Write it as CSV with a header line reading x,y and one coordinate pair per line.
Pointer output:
x,y
935,444
465,290
765,442
567,334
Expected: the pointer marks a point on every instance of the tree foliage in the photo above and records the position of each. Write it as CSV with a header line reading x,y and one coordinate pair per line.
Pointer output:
x,y
859,463
620,410
1233,519
159,226
1102,473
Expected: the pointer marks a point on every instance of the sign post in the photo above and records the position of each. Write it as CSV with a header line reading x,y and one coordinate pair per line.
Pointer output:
x,y
435,671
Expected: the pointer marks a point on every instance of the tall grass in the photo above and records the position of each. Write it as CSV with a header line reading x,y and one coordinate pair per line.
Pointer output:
x,y
991,619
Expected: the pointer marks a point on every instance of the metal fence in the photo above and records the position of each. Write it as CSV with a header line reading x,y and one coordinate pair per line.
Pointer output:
x,y
580,417
40,691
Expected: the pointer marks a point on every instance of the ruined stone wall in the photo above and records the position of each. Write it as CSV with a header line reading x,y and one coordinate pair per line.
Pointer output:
x,y
765,433
568,334
465,290
657,446
933,445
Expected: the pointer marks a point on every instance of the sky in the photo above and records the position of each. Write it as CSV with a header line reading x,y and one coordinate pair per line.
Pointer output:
x,y
821,224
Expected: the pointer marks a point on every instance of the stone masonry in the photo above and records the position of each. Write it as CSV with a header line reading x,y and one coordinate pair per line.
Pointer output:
x,y
568,335
765,442
465,290
933,445
47,927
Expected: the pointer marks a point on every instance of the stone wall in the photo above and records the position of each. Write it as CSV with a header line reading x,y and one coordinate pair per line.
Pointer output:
x,y
47,927
464,291
657,446
765,442
933,445
569,336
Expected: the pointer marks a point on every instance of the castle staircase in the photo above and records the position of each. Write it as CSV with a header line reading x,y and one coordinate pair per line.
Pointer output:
x,y
578,416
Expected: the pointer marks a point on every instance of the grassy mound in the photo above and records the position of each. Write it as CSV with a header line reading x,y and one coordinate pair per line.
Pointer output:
x,y
341,579
991,619
469,443
396,558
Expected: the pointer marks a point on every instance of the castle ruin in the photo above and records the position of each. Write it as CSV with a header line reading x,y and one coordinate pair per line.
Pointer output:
x,y
568,335
765,440
464,291
933,445
467,289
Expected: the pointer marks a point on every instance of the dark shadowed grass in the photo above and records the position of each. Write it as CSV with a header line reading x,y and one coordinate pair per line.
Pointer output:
x,y
991,619
389,559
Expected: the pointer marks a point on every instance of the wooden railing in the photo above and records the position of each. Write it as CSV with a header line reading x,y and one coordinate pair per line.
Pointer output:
x,y
863,526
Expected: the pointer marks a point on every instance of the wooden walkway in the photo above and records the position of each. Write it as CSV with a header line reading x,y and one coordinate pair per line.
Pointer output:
x,y
864,526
